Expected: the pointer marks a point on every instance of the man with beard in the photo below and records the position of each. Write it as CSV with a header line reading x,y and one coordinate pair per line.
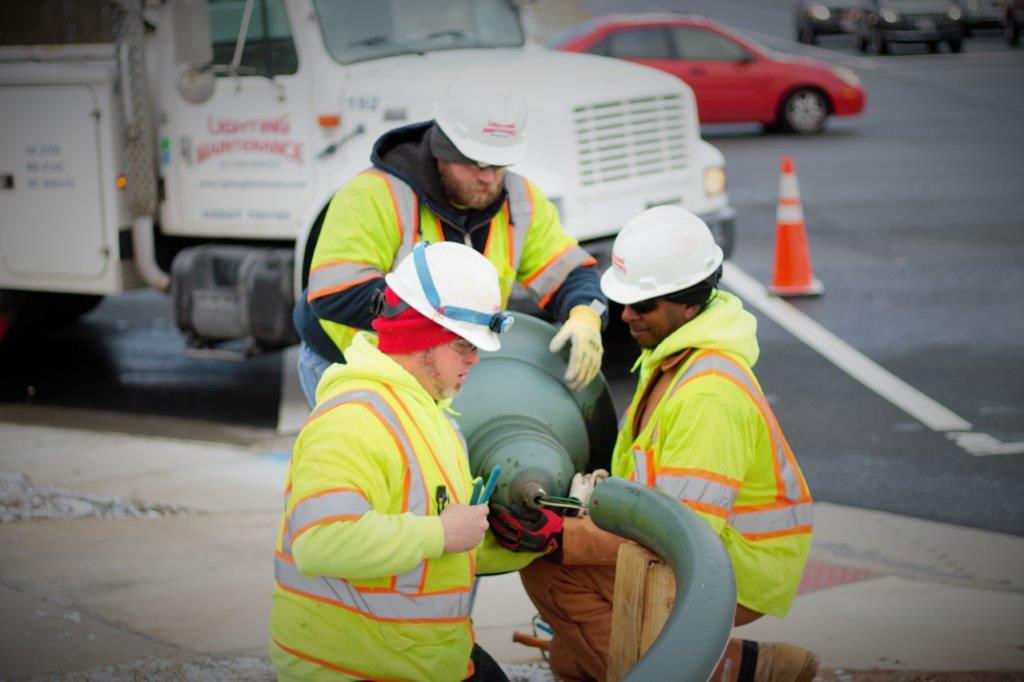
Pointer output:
x,y
378,547
699,428
447,180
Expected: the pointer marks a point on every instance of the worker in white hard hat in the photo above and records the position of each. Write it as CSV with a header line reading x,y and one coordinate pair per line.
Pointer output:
x,y
378,546
447,180
699,428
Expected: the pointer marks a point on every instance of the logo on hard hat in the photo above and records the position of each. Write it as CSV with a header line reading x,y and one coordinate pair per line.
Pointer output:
x,y
618,263
499,129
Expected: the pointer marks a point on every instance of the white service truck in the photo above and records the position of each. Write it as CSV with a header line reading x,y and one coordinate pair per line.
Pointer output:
x,y
195,145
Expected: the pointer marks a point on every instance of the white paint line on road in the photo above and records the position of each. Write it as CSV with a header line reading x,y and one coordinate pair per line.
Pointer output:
x,y
292,411
863,369
842,355
982,444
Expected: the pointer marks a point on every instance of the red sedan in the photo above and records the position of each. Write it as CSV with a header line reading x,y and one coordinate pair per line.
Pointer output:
x,y
733,78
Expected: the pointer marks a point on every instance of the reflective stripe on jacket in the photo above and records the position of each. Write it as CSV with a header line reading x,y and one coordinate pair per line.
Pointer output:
x,y
376,218
363,588
714,443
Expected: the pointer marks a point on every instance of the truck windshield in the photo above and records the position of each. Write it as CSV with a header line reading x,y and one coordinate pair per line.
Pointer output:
x,y
356,30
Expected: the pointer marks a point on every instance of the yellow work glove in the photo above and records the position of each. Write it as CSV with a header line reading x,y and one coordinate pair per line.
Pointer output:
x,y
583,329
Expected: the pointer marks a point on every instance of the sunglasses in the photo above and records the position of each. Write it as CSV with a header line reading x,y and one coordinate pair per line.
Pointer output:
x,y
462,347
645,306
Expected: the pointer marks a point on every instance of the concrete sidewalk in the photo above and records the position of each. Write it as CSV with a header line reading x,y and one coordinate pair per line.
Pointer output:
x,y
192,576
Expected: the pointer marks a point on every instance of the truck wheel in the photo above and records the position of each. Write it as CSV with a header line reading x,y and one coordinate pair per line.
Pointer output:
x,y
956,45
804,112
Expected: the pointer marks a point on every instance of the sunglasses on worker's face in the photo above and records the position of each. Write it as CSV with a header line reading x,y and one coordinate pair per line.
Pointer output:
x,y
648,305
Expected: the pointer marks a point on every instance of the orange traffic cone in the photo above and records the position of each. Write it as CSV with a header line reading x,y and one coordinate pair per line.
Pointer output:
x,y
792,274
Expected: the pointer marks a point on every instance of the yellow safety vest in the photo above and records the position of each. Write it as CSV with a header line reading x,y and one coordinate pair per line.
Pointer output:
x,y
362,481
376,219
758,503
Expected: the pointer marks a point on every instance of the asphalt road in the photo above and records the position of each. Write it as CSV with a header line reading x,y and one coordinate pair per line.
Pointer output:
x,y
914,214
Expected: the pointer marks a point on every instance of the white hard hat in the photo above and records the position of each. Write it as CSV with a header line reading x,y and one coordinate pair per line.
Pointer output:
x,y
484,117
660,251
456,287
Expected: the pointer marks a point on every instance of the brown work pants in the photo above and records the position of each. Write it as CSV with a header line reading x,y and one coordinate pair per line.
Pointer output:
x,y
576,601
574,596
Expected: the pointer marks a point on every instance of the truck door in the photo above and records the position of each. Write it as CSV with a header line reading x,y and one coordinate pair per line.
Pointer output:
x,y
240,160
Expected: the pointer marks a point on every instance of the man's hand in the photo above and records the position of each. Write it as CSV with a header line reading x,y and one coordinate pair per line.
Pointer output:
x,y
583,329
542,532
583,485
464,526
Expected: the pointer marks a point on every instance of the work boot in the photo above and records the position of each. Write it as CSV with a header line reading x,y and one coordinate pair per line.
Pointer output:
x,y
745,660
780,662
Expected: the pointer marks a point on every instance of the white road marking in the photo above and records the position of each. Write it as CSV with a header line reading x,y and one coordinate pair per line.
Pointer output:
x,y
863,369
292,410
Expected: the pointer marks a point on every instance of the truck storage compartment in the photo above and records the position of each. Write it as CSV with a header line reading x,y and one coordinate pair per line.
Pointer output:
x,y
59,212
232,292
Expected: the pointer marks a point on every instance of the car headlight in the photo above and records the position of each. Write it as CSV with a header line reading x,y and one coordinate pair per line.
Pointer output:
x,y
820,12
714,180
972,5
890,15
954,13
847,75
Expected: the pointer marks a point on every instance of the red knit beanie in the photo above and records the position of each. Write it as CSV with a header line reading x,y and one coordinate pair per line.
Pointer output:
x,y
409,331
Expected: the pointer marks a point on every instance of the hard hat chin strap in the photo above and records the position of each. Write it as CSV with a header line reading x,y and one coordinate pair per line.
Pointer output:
x,y
499,323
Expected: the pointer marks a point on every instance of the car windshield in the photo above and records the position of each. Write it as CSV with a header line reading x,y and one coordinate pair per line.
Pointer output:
x,y
357,30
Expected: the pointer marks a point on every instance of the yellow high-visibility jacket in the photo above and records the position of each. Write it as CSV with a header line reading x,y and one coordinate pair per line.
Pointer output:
x,y
714,443
376,219
364,589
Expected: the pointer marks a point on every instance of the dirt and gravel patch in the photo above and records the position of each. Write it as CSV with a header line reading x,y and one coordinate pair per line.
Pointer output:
x,y
22,499
258,669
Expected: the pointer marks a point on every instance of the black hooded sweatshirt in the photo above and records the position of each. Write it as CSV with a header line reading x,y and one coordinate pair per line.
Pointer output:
x,y
405,153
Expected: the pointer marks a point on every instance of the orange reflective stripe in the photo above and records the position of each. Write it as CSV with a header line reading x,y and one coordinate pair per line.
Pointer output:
x,y
400,223
453,490
327,664
549,278
520,215
390,606
325,506
339,275
761,521
707,508
789,483
702,473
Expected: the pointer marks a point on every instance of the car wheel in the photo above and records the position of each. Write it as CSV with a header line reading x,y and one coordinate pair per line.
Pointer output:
x,y
1012,32
956,44
933,46
804,112
862,43
812,37
801,34
881,45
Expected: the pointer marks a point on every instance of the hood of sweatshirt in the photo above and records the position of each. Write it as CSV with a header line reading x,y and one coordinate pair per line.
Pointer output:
x,y
405,153
723,325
